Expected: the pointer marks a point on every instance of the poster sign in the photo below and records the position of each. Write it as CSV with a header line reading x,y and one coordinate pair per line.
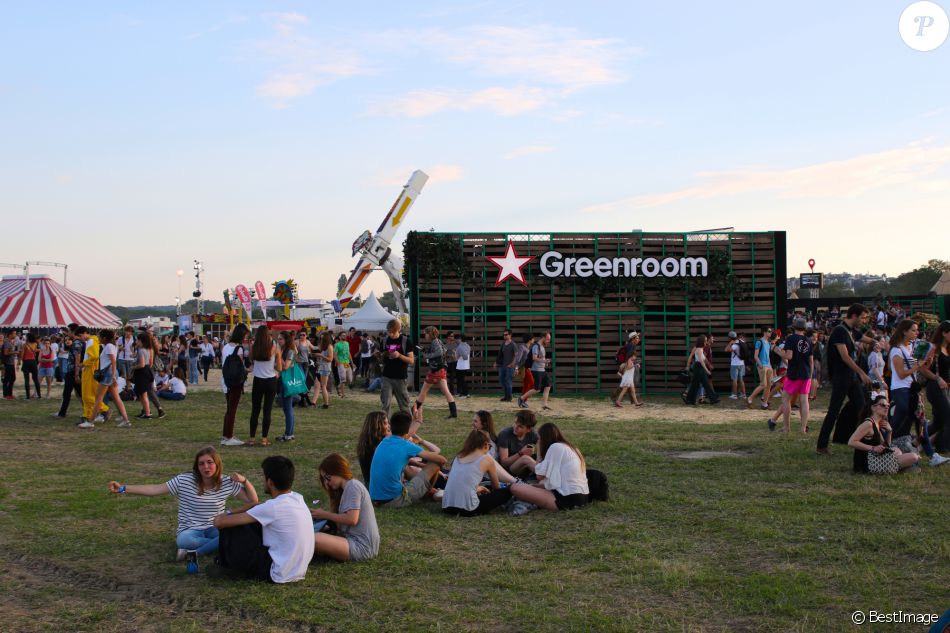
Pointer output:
x,y
811,281
244,297
184,323
261,296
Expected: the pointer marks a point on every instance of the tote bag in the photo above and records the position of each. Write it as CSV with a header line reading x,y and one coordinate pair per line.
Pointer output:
x,y
293,380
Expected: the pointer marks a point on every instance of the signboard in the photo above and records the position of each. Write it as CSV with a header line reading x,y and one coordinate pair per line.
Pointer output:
x,y
811,281
244,297
261,296
184,323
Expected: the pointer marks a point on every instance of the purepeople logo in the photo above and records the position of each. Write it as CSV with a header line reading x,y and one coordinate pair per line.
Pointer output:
x,y
555,264
924,26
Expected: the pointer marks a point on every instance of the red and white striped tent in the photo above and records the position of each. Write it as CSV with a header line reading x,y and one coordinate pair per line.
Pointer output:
x,y
48,304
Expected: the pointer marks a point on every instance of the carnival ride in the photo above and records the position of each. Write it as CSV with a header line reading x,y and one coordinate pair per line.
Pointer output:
x,y
376,250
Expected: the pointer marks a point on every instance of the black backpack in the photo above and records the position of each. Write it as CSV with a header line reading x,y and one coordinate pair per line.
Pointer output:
x,y
233,370
745,353
597,485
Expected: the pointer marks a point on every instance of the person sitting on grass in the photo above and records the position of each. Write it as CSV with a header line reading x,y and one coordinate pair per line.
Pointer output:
x,y
868,439
375,428
387,486
562,474
271,540
174,388
464,493
483,421
201,494
516,444
350,509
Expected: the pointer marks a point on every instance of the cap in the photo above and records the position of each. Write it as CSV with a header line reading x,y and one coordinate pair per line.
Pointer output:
x,y
732,334
798,324
632,335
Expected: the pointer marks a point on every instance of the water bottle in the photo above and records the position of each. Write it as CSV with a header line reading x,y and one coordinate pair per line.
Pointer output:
x,y
192,566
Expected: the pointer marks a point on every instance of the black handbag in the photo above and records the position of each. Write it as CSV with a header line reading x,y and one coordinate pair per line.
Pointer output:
x,y
98,375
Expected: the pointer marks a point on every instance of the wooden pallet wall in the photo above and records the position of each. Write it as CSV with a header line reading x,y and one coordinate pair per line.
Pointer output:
x,y
586,331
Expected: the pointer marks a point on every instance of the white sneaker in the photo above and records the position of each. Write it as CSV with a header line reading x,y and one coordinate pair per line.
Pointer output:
x,y
86,424
124,424
180,555
938,459
438,494
733,397
231,441
100,418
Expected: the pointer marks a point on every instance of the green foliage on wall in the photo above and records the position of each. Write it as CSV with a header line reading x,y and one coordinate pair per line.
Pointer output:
x,y
433,254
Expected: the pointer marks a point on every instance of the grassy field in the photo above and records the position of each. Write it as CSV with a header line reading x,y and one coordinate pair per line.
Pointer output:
x,y
772,539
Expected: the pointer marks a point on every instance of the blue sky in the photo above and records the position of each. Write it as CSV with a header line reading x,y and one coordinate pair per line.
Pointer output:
x,y
263,137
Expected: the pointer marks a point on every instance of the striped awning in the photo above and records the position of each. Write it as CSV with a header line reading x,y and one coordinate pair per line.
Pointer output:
x,y
48,304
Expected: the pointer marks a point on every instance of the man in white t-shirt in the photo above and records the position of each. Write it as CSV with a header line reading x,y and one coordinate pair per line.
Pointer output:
x,y
271,540
172,389
736,365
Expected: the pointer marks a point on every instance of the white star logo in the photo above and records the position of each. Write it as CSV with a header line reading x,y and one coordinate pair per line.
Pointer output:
x,y
510,265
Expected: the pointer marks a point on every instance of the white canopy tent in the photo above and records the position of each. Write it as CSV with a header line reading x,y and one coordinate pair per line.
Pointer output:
x,y
942,287
372,316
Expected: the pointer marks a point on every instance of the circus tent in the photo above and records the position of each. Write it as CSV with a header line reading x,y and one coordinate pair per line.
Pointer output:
x,y
48,304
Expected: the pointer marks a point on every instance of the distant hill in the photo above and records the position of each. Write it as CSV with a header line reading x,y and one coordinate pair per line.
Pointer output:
x,y
136,312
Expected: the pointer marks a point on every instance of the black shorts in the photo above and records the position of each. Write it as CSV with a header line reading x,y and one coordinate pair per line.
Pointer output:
x,y
541,380
142,379
569,502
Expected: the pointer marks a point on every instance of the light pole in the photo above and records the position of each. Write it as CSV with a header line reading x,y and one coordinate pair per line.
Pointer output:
x,y
178,298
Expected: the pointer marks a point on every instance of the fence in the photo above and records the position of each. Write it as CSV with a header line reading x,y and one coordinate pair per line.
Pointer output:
x,y
745,290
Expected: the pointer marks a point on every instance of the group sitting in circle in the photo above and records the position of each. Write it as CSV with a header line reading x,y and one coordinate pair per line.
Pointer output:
x,y
276,540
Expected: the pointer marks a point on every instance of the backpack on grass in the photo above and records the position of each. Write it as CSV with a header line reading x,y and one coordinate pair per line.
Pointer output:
x,y
597,486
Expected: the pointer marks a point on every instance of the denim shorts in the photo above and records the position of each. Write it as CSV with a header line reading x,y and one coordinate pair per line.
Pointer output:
x,y
46,372
736,371
107,379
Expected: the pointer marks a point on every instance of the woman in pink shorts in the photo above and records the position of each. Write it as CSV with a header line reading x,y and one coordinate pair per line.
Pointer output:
x,y
799,352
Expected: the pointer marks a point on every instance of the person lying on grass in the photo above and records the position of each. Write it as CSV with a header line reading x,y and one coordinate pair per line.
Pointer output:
x,y
464,493
350,509
271,540
202,494
386,485
516,444
562,474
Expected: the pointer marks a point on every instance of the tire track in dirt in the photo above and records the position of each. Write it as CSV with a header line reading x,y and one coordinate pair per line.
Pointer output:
x,y
37,570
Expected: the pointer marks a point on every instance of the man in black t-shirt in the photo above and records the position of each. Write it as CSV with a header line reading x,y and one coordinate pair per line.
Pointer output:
x,y
846,376
798,352
397,357
72,367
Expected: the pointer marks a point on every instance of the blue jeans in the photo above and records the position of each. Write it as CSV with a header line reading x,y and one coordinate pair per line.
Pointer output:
x,y
203,541
171,395
287,404
193,370
901,418
505,374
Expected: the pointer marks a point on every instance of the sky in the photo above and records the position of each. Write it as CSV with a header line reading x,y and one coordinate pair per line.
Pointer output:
x,y
263,137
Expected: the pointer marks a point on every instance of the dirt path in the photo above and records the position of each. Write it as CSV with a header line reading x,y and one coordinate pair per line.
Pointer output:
x,y
90,601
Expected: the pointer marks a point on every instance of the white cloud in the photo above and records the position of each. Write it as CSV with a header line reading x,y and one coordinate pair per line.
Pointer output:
x,y
527,150
549,55
301,63
437,173
547,65
501,101
847,178
289,17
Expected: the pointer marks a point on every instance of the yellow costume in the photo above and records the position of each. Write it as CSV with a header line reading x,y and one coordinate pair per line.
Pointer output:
x,y
90,363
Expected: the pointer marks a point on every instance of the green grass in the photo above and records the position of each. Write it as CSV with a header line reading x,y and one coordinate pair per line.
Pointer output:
x,y
777,540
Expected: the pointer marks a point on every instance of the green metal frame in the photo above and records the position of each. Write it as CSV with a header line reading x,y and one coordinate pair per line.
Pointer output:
x,y
640,314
